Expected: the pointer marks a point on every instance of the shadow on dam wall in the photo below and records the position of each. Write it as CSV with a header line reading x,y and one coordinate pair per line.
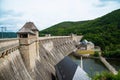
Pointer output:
x,y
12,66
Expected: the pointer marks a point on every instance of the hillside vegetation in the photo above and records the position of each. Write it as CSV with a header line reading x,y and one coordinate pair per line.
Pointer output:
x,y
8,35
106,76
103,31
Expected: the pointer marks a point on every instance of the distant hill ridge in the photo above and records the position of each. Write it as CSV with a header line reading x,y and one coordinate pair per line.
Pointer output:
x,y
65,28
103,31
8,35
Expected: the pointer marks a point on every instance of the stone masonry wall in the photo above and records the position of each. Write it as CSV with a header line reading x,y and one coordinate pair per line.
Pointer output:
x,y
51,51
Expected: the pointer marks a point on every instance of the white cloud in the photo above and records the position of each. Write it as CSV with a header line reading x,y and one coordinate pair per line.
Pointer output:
x,y
45,13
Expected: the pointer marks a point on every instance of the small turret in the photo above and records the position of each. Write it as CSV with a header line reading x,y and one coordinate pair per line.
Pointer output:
x,y
29,47
28,30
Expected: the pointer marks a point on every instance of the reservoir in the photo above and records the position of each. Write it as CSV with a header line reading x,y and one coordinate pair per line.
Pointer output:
x,y
90,65
93,66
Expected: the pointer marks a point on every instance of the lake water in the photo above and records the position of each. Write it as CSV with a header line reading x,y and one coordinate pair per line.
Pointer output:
x,y
93,66
90,65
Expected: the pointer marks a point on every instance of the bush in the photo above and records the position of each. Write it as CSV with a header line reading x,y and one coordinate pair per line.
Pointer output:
x,y
96,53
106,76
115,54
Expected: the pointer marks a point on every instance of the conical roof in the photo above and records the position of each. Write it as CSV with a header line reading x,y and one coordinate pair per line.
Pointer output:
x,y
29,27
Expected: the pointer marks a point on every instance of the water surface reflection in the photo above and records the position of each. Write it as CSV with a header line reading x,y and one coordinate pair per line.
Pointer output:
x,y
90,65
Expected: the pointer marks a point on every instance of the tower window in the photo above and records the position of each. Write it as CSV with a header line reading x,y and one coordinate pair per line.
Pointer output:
x,y
23,35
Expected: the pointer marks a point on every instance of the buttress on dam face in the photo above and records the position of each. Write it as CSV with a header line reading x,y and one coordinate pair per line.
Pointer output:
x,y
30,57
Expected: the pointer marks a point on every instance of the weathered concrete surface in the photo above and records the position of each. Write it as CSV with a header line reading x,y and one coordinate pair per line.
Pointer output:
x,y
51,51
28,49
110,67
12,67
7,42
50,56
8,45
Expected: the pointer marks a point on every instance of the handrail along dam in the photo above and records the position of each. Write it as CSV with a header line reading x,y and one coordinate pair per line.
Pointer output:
x,y
30,57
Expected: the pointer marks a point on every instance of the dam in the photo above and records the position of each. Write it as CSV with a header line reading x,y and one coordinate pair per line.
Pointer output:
x,y
30,57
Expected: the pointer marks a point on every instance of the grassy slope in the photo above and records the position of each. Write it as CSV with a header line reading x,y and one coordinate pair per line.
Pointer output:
x,y
103,31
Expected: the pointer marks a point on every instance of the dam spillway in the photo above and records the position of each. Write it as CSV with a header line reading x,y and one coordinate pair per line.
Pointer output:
x,y
33,58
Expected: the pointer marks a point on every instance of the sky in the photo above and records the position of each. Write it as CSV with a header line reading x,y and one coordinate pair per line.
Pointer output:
x,y
45,13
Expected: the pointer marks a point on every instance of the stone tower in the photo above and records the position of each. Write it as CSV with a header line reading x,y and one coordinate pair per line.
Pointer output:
x,y
28,40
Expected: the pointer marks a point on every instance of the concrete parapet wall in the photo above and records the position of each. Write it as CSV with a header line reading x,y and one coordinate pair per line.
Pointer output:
x,y
7,42
53,37
8,45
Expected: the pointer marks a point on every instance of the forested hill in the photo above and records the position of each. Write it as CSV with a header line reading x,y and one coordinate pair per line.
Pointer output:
x,y
103,31
8,35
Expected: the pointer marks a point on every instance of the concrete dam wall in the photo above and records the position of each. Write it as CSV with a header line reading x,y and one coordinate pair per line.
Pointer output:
x,y
13,68
35,60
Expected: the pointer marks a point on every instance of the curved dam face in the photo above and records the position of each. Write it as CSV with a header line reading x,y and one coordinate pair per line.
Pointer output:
x,y
50,52
12,67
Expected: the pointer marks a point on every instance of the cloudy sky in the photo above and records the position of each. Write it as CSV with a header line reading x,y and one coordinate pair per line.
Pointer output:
x,y
45,13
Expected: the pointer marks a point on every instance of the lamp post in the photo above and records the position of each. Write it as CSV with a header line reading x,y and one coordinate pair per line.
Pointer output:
x,y
81,64
2,30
